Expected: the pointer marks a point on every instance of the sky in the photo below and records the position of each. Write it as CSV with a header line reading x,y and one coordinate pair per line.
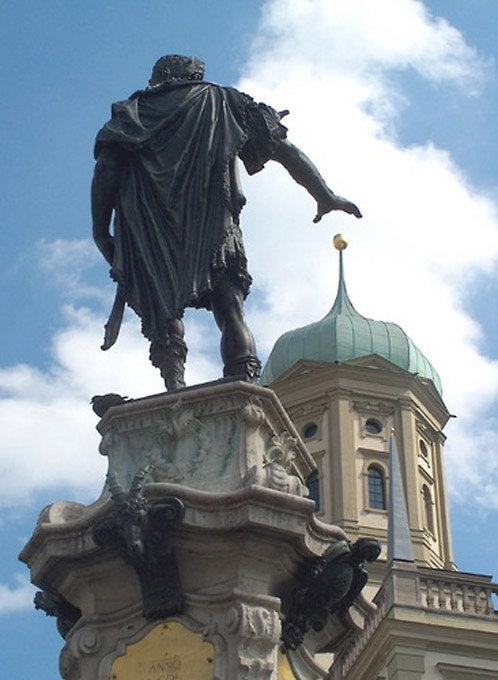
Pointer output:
x,y
395,101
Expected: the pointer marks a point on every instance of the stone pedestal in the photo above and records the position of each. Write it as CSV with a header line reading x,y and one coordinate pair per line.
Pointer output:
x,y
179,570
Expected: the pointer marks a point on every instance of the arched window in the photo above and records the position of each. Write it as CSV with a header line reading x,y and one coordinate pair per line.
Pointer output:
x,y
376,488
313,484
429,515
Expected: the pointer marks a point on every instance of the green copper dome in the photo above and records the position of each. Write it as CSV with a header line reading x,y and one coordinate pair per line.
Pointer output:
x,y
343,334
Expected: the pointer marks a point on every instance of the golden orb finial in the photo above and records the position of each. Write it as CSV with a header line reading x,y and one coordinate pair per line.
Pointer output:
x,y
340,242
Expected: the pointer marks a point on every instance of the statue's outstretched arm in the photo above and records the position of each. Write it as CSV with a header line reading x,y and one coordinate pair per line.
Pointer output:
x,y
305,173
104,189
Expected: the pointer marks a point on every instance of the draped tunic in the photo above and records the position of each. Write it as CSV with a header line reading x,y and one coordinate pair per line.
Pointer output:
x,y
176,213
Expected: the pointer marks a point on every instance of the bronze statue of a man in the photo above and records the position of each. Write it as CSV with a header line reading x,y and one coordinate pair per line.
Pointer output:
x,y
166,165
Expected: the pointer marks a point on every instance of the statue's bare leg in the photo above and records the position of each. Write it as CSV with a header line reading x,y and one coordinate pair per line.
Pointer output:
x,y
170,356
238,349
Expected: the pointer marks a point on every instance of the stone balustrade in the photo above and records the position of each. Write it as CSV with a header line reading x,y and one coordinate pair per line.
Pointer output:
x,y
456,594
433,590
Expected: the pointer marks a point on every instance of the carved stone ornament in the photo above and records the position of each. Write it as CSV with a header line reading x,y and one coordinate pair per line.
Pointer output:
x,y
89,640
179,424
373,407
329,584
173,430
226,436
303,411
257,628
54,604
276,472
139,531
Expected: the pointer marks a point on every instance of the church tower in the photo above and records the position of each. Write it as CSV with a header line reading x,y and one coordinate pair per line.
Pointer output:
x,y
347,382
368,404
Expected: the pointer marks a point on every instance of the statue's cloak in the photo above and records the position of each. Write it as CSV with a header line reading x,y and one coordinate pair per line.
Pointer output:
x,y
176,213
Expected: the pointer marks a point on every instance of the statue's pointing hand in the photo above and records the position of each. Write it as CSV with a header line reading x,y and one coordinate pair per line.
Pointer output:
x,y
336,203
300,167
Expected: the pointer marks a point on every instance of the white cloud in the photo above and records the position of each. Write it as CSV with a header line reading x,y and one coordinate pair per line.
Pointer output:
x,y
472,462
353,37
65,263
17,598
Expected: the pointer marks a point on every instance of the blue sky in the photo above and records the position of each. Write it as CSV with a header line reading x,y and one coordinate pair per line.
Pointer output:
x,y
398,113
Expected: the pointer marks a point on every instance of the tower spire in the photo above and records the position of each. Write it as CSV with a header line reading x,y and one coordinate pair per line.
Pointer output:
x,y
399,540
342,303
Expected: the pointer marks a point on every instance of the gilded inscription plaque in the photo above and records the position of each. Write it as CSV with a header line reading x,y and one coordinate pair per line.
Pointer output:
x,y
168,652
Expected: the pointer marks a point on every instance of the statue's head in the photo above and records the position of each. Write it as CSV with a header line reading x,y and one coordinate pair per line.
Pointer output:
x,y
174,67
